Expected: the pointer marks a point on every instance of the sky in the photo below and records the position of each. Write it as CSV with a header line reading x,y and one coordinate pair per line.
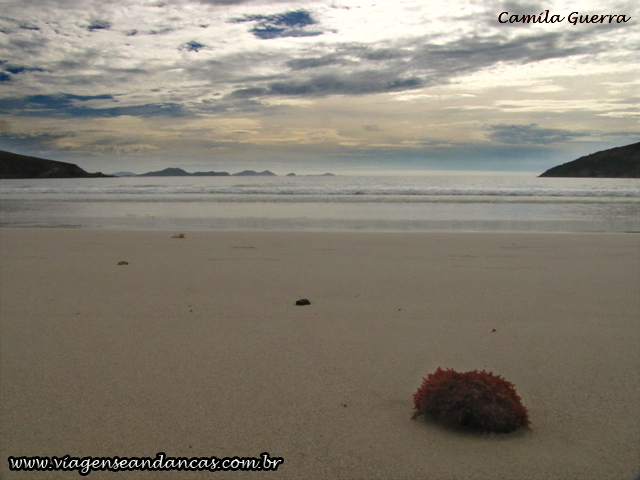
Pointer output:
x,y
315,86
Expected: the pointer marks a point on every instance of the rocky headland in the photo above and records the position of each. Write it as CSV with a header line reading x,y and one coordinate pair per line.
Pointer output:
x,y
619,162
13,165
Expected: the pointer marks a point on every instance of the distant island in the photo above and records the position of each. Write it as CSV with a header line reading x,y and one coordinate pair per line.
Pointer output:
x,y
619,162
13,165
178,172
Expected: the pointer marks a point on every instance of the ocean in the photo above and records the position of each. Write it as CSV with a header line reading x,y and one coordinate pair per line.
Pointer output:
x,y
438,201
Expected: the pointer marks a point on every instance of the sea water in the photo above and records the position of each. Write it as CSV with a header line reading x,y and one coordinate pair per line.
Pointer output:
x,y
437,201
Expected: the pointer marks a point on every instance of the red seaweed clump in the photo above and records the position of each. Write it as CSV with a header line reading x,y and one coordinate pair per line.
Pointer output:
x,y
477,400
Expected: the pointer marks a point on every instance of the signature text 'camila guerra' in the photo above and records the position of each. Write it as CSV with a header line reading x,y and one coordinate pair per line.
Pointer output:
x,y
574,18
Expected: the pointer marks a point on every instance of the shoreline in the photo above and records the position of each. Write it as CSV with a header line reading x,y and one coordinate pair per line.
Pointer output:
x,y
196,348
347,226
230,230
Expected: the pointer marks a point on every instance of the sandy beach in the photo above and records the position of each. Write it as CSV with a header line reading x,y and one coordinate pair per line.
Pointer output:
x,y
196,348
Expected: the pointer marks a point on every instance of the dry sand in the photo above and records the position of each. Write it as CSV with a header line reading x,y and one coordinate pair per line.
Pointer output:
x,y
195,348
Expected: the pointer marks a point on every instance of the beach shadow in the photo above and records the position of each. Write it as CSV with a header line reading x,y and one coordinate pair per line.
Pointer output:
x,y
469,432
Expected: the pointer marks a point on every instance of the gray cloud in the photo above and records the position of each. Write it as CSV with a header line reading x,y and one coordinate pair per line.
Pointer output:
x,y
27,26
315,62
32,143
31,46
8,71
225,2
99,25
520,7
361,83
470,54
384,54
229,3
530,134
344,54
269,32
249,92
16,69
71,106
36,138
162,31
407,65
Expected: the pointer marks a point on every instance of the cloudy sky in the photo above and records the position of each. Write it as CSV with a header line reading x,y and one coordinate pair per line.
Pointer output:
x,y
314,86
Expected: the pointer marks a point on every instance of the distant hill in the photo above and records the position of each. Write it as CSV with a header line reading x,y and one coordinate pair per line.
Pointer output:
x,y
178,172
13,165
251,173
619,162
167,172
210,174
